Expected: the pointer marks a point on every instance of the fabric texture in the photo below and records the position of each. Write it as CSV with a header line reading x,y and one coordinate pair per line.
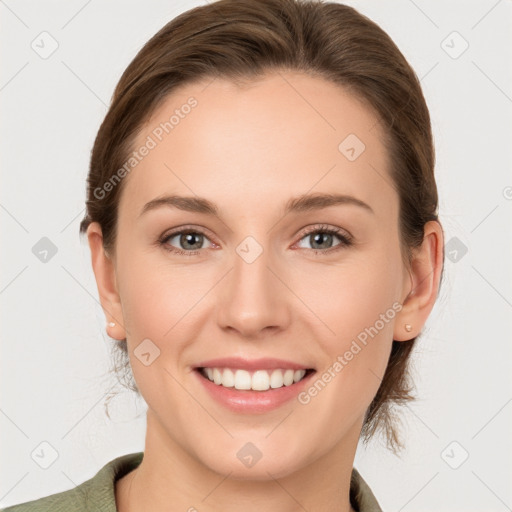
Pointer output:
x,y
97,493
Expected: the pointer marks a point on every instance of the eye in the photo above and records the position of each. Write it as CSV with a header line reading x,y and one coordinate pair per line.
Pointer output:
x,y
189,241
322,237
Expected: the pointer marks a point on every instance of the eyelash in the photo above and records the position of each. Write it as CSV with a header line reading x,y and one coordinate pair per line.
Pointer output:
x,y
345,240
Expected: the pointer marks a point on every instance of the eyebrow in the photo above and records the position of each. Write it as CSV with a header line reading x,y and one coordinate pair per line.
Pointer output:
x,y
303,203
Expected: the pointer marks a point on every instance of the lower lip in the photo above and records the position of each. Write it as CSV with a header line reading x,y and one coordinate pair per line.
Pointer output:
x,y
250,401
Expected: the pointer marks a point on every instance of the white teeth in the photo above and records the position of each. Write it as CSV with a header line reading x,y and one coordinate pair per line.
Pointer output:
x,y
228,378
217,376
276,379
242,379
260,380
298,375
288,377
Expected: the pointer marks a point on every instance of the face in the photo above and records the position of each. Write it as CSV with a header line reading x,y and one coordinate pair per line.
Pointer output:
x,y
266,282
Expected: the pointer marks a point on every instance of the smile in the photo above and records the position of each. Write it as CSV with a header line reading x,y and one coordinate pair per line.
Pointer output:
x,y
252,385
258,380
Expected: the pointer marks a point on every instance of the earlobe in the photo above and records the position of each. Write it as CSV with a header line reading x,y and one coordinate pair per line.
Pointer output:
x,y
425,272
104,272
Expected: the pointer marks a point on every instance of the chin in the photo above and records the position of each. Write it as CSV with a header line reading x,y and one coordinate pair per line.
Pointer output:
x,y
248,462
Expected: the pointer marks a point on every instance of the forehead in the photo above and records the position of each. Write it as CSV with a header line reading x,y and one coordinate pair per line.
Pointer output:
x,y
281,135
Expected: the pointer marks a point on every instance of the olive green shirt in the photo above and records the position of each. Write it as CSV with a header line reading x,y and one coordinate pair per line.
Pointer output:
x,y
98,493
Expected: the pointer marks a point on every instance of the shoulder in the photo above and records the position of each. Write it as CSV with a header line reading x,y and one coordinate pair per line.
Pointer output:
x,y
96,494
361,496
71,500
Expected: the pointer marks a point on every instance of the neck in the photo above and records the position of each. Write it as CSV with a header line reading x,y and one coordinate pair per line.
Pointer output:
x,y
170,475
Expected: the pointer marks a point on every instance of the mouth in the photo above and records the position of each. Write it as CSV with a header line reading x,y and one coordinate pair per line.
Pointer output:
x,y
263,379
252,386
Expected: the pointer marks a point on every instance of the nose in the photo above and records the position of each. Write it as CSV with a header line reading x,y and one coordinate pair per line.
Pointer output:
x,y
252,299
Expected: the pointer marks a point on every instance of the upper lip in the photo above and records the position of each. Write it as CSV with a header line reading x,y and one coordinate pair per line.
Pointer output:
x,y
252,364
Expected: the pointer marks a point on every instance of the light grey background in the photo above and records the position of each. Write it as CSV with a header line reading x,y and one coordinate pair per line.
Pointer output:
x,y
55,353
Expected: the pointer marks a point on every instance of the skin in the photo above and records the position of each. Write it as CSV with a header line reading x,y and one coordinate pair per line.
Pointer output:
x,y
249,150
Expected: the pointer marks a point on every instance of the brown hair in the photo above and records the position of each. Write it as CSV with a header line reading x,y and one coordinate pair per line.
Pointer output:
x,y
241,40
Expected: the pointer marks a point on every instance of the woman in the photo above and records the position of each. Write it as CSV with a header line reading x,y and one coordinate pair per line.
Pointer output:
x,y
262,219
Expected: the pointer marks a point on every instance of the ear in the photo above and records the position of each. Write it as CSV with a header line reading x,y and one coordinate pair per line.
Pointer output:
x,y
104,272
425,276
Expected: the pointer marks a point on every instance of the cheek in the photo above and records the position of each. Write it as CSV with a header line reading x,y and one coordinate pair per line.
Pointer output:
x,y
356,356
156,295
352,297
160,303
360,314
